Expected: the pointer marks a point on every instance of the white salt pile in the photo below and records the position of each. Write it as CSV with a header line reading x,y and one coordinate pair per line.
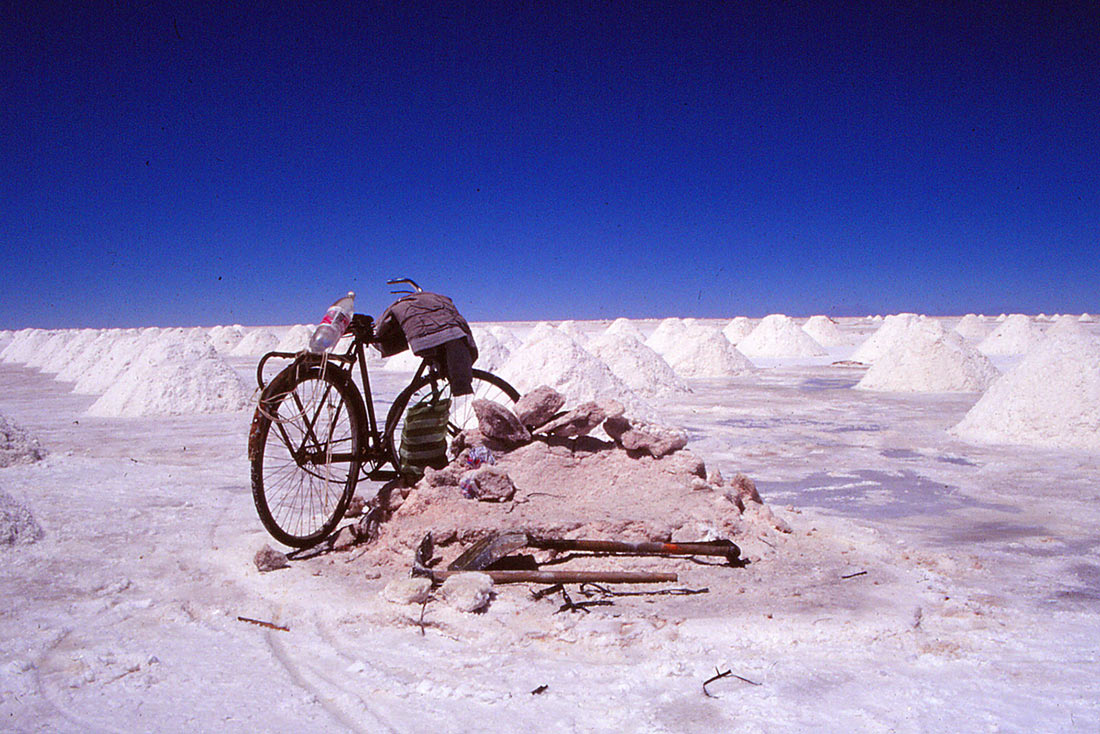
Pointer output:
x,y
295,339
1002,317
641,368
126,346
825,332
573,330
17,446
491,354
24,345
224,338
56,343
17,524
173,377
549,357
972,328
702,351
74,346
626,327
1051,398
666,335
930,359
738,329
779,336
255,343
1065,325
6,337
1085,317
892,331
1015,335
504,335
88,357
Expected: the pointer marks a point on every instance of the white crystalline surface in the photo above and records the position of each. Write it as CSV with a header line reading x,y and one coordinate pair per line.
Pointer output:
x,y
738,329
1015,335
505,336
124,348
930,359
778,335
295,339
549,357
972,328
573,330
667,334
224,338
627,327
491,354
256,343
641,368
825,332
919,563
702,351
1051,398
173,377
893,329
24,344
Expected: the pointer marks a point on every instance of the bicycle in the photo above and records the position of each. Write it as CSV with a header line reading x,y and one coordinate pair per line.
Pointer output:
x,y
327,437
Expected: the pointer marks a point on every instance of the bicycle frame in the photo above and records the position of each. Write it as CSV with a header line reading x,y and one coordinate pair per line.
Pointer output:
x,y
373,451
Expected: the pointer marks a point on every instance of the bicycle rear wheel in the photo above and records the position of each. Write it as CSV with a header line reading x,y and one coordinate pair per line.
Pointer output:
x,y
305,451
486,386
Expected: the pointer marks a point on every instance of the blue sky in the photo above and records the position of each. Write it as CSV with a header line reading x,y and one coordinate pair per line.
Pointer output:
x,y
185,164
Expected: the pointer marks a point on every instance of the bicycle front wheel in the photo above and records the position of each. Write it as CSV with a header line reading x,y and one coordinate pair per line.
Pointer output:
x,y
486,386
305,452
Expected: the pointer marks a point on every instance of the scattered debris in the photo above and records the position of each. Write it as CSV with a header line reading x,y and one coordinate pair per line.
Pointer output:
x,y
261,623
467,591
724,674
17,524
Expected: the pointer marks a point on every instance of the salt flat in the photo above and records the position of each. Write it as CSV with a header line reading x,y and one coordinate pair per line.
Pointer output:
x,y
929,584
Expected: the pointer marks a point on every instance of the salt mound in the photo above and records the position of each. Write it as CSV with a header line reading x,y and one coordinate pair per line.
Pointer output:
x,y
1085,317
666,335
56,343
641,368
255,343
123,350
702,351
89,357
172,377
1051,398
295,339
779,336
930,359
825,332
1002,317
74,344
627,327
504,335
17,524
972,328
16,445
738,329
1015,336
224,338
892,330
549,357
6,337
24,344
1066,325
491,354
572,329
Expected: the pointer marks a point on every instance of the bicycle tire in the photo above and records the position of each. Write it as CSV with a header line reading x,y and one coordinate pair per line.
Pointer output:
x,y
304,471
486,385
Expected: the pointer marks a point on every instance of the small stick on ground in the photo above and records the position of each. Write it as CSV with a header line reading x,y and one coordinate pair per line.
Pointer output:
x,y
423,607
853,575
727,674
269,625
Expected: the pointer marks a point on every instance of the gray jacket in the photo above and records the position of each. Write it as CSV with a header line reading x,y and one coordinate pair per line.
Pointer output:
x,y
422,322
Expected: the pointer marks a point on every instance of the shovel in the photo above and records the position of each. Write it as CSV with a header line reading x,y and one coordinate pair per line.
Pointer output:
x,y
492,548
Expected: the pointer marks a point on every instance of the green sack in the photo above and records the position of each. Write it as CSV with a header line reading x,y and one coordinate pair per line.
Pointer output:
x,y
424,436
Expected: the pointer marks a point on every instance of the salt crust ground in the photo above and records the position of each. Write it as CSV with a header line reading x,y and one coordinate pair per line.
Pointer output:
x,y
126,617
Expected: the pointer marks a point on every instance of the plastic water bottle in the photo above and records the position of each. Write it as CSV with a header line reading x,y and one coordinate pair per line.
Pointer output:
x,y
333,325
